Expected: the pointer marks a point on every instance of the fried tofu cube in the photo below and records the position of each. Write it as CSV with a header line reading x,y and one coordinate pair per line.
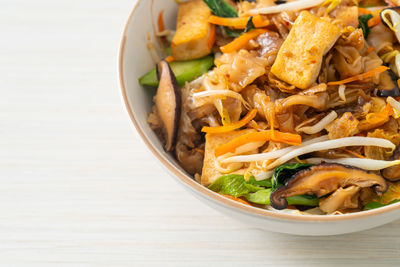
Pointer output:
x,y
210,170
194,36
300,57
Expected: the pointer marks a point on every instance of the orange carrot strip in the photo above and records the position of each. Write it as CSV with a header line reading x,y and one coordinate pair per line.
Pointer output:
x,y
213,37
170,59
370,49
354,153
374,21
363,11
277,136
374,120
160,21
398,82
239,23
236,199
362,76
242,40
232,126
260,22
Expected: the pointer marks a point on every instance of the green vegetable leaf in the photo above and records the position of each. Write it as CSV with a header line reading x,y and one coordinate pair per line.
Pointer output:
x,y
253,188
235,185
254,191
265,183
363,24
230,184
260,197
284,172
221,8
303,200
250,25
374,205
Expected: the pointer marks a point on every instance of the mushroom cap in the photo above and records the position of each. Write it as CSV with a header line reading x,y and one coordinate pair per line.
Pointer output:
x,y
168,103
326,178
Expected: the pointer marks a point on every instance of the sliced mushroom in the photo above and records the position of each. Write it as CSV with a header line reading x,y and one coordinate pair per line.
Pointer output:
x,y
388,85
326,178
393,173
168,103
343,198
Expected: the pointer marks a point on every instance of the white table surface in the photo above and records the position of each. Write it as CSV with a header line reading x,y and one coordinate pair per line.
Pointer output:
x,y
77,185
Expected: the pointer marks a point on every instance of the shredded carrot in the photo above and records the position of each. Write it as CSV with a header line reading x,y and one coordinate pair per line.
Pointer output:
x,y
213,37
272,121
363,11
160,21
354,153
277,136
236,199
374,21
239,23
362,76
242,40
370,49
232,126
373,120
260,22
170,59
398,83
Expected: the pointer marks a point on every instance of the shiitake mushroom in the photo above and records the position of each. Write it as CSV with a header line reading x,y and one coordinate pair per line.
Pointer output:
x,y
325,178
168,103
394,91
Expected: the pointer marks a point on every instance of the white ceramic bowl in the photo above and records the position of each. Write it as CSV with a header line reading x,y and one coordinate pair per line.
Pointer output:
x,y
135,60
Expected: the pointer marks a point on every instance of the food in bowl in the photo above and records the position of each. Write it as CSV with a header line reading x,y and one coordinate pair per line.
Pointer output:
x,y
286,106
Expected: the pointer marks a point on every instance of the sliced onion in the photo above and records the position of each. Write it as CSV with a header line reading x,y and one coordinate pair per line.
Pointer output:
x,y
273,154
224,93
320,125
397,64
291,6
341,92
332,144
393,23
394,103
366,164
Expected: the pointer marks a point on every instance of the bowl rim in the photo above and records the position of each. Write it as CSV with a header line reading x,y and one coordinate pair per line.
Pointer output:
x,y
215,197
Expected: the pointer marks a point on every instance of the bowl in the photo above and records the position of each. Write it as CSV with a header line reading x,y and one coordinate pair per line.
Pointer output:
x,y
134,61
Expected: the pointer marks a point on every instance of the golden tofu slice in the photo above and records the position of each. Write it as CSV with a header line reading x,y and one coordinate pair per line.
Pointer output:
x,y
194,36
210,170
300,56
